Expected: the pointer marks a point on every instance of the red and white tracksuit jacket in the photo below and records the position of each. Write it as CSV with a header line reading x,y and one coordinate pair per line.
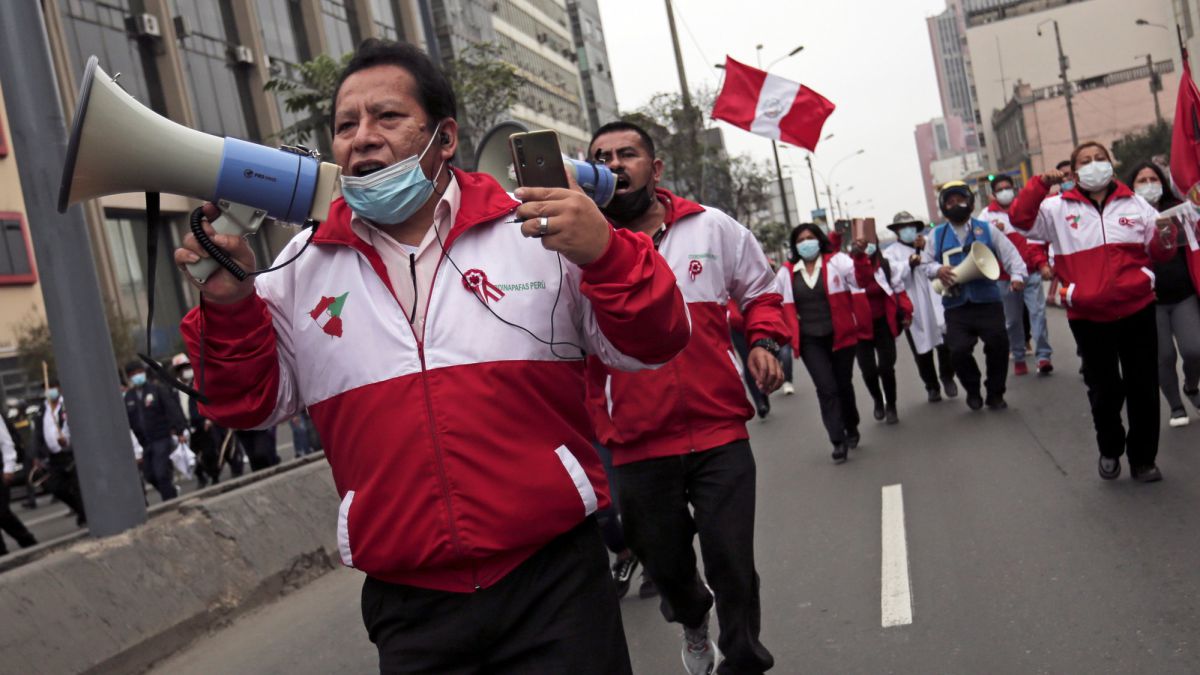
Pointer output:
x,y
697,401
1033,252
873,278
1103,259
848,305
460,452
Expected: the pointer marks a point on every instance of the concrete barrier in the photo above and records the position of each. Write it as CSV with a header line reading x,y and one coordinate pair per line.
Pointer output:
x,y
122,603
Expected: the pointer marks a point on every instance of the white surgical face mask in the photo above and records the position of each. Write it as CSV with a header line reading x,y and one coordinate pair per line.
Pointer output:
x,y
1151,192
908,235
1005,197
1096,175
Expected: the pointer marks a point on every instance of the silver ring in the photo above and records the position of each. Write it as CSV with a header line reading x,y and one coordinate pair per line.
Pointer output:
x,y
543,226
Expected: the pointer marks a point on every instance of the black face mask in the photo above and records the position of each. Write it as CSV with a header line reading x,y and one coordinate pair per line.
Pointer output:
x,y
625,208
957,214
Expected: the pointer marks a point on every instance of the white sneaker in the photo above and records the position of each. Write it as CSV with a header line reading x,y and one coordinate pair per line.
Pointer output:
x,y
699,651
788,389
1179,419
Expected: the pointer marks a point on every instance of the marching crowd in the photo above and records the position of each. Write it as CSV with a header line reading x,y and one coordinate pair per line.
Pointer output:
x,y
485,441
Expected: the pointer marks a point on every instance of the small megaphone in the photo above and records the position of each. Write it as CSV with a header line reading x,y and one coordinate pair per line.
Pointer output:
x,y
980,263
494,157
119,145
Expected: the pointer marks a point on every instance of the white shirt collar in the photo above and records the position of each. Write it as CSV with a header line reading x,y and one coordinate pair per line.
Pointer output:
x,y
444,215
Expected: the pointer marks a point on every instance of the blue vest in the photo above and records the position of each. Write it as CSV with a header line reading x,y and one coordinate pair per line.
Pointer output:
x,y
979,291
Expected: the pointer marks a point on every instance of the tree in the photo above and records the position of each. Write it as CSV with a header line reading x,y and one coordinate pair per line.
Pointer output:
x,y
696,165
486,88
35,345
311,96
750,188
1141,146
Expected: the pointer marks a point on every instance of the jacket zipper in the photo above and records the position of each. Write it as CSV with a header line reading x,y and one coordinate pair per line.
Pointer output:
x,y
412,268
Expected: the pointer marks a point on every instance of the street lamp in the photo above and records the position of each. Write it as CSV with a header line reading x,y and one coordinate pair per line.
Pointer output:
x,y
1178,36
1063,63
829,182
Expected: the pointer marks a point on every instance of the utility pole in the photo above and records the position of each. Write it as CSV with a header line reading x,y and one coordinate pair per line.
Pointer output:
x,y
829,193
691,119
108,477
1155,87
1066,84
683,85
812,174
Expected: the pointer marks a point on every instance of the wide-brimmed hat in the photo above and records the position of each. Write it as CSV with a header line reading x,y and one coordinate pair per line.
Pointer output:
x,y
904,219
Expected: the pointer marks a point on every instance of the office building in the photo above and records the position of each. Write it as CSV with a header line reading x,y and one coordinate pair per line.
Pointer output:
x,y
599,96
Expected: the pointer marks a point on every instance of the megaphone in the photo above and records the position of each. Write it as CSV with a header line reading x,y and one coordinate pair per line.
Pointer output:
x,y
493,156
980,263
119,145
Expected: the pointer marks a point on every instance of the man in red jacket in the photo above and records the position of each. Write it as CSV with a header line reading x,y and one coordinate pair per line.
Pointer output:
x,y
437,345
678,435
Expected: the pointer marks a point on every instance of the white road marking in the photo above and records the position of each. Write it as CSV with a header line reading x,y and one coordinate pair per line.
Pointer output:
x,y
896,596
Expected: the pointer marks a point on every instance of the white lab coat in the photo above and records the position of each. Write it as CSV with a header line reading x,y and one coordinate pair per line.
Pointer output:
x,y
928,323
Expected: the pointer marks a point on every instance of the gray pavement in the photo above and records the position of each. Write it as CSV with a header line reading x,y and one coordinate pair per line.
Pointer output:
x,y
1021,560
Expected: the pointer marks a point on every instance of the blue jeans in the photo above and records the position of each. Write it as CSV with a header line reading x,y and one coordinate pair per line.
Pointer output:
x,y
1034,299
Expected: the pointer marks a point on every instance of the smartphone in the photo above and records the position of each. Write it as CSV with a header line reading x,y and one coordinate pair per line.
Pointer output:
x,y
537,159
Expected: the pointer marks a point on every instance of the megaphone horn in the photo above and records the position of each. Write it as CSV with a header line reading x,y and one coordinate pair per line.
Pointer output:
x,y
119,145
979,263
493,156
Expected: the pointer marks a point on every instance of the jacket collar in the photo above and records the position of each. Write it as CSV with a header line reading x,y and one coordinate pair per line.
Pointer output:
x,y
994,207
1122,191
677,207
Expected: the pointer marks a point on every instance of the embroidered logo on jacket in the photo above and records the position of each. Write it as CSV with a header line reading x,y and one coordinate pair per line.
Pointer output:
x,y
476,281
695,267
1073,221
328,314
1129,221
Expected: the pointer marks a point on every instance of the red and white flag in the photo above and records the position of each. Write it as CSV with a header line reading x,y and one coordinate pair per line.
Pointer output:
x,y
1185,137
769,105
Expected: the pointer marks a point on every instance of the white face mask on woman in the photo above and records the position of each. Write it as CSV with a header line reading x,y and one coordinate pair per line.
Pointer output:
x,y
1095,175
1151,192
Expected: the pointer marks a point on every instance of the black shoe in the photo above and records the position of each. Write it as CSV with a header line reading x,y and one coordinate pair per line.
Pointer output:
x,y
891,417
839,453
764,408
852,439
996,402
648,589
1145,474
80,521
1193,396
27,543
935,395
951,388
974,401
879,412
1110,468
622,573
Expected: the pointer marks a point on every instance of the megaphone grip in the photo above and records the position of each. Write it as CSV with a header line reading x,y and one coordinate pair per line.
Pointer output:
x,y
204,268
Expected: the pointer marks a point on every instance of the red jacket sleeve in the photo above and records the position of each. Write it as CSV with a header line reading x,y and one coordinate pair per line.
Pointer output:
x,y
1024,210
240,374
637,303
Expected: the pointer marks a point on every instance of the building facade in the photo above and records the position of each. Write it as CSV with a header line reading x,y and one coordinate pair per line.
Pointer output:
x,y
599,95
945,153
952,64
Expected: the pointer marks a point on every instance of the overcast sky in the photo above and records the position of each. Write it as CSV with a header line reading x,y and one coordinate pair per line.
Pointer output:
x,y
870,57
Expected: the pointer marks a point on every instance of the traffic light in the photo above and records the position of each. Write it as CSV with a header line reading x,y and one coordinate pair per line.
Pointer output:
x,y
991,177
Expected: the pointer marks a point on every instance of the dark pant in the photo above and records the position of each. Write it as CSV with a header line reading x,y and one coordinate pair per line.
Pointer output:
x,y
1121,368
260,448
11,524
719,484
156,465
63,482
785,360
610,519
557,612
877,361
833,374
925,365
978,321
743,350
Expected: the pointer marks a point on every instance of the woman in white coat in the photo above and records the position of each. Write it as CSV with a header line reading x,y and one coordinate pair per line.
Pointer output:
x,y
925,334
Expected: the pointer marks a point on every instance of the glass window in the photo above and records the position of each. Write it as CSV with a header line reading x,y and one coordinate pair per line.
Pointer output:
x,y
387,19
341,27
126,234
98,27
220,87
15,251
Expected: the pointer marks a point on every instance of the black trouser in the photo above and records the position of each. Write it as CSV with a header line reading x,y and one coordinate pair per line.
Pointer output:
x,y
978,321
743,350
833,374
719,484
925,366
1121,368
63,483
158,469
877,362
11,524
260,448
557,612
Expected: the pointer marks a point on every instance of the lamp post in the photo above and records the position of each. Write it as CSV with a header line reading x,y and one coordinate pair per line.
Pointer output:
x,y
1155,87
829,183
1183,54
1063,63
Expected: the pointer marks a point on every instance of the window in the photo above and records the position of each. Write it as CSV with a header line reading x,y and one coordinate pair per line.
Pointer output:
x,y
98,27
220,88
16,255
127,233
387,19
341,26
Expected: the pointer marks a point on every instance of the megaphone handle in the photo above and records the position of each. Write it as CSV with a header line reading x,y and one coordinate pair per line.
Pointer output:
x,y
237,219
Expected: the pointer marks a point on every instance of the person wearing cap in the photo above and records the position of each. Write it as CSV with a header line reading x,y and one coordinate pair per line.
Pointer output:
x,y
154,417
1032,298
973,309
925,332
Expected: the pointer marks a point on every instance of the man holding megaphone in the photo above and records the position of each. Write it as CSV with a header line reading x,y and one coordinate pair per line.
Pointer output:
x,y
970,247
439,353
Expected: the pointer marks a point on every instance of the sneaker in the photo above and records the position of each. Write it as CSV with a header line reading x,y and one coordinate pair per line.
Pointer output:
x,y
950,388
996,402
1045,367
852,439
787,389
1179,418
879,411
891,417
935,395
1110,467
839,453
622,573
974,401
647,589
1019,368
699,651
1145,474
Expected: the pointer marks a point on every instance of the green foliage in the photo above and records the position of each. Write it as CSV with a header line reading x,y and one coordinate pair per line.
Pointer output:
x,y
311,96
486,88
1141,146
35,346
696,166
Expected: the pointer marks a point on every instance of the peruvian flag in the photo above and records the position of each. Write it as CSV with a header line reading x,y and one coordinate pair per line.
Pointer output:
x,y
1185,138
771,106
328,314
